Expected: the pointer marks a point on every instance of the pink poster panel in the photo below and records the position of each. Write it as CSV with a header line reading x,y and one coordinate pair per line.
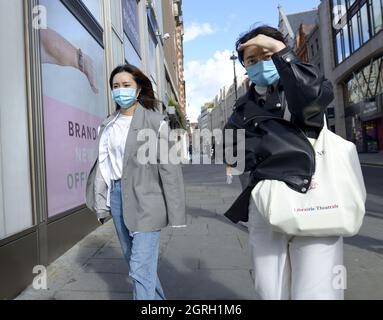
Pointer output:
x,y
70,140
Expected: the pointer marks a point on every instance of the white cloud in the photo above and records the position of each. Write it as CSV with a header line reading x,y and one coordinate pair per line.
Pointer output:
x,y
196,30
205,79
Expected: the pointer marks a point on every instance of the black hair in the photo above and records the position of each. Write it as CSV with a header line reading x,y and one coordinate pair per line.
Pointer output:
x,y
265,30
146,97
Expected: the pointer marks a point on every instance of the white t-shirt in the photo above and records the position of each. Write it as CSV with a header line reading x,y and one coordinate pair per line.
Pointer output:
x,y
116,145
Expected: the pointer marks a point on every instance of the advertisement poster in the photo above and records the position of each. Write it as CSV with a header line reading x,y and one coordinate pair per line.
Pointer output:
x,y
75,104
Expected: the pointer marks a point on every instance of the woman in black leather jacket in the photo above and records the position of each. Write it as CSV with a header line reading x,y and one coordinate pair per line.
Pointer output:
x,y
285,267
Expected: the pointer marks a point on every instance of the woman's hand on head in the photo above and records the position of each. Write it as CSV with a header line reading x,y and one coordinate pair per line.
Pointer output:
x,y
264,42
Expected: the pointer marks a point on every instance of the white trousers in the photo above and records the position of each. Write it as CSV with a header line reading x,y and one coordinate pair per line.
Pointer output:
x,y
297,268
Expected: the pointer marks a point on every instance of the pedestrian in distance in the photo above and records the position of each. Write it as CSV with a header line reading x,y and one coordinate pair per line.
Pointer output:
x,y
142,198
285,266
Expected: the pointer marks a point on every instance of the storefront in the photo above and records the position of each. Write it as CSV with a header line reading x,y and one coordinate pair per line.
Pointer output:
x,y
364,107
54,94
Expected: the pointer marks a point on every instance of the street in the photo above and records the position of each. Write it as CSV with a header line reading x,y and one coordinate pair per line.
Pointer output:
x,y
373,177
210,258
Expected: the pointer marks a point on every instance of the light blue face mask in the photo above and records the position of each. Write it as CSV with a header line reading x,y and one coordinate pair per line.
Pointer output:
x,y
263,73
125,97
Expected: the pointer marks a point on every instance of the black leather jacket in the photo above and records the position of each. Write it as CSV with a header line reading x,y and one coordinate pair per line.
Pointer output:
x,y
275,148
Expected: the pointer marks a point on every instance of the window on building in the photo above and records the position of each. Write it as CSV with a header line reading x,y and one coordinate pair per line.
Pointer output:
x,y
153,55
350,3
131,23
131,55
376,14
116,16
355,33
366,83
95,7
339,47
118,52
364,23
346,42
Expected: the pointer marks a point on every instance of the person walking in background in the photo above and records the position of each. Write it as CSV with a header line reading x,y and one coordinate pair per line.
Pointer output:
x,y
285,267
142,198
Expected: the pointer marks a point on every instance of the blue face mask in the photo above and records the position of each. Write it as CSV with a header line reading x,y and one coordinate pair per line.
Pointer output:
x,y
263,73
125,97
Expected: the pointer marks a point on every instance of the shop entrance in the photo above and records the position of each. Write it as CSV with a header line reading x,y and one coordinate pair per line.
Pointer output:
x,y
371,136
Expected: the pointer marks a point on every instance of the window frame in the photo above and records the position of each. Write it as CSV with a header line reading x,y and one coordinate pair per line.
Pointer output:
x,y
80,11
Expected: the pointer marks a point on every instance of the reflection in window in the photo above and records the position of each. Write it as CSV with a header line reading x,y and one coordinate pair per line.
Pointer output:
x,y
377,15
355,32
365,26
365,83
376,80
350,2
346,42
131,55
339,47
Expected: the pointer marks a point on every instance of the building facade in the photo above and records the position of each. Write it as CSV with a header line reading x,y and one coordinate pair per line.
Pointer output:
x,y
54,94
290,24
352,40
173,33
302,31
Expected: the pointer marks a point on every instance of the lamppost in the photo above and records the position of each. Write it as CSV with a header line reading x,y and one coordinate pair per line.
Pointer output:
x,y
234,58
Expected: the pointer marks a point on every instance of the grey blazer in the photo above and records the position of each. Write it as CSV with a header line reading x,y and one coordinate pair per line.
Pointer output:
x,y
153,195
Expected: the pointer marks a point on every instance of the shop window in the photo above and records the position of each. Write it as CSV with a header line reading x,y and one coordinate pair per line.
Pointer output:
x,y
75,103
15,182
95,8
371,136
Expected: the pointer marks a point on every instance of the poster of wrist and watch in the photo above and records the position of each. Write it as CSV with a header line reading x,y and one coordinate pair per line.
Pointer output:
x,y
75,103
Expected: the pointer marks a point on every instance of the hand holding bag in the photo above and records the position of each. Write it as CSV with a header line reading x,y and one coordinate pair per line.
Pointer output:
x,y
335,202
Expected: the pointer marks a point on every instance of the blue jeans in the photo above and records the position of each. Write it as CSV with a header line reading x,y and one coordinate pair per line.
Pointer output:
x,y
141,251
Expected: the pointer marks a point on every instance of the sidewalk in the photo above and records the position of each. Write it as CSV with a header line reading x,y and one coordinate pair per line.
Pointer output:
x,y
371,159
207,260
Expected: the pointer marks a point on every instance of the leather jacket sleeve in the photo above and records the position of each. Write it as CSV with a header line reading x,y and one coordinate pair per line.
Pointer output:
x,y
307,91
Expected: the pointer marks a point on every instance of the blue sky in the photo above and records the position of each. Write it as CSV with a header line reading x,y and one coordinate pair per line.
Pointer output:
x,y
211,29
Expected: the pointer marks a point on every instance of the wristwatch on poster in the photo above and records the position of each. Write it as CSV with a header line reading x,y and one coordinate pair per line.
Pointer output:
x,y
80,60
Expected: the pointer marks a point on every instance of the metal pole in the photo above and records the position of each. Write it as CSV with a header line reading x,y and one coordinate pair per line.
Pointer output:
x,y
234,58
235,82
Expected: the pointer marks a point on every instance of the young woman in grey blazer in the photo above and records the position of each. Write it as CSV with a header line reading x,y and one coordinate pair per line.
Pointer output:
x,y
142,198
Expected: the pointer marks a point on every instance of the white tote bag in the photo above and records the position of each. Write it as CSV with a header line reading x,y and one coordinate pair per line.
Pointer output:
x,y
335,202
